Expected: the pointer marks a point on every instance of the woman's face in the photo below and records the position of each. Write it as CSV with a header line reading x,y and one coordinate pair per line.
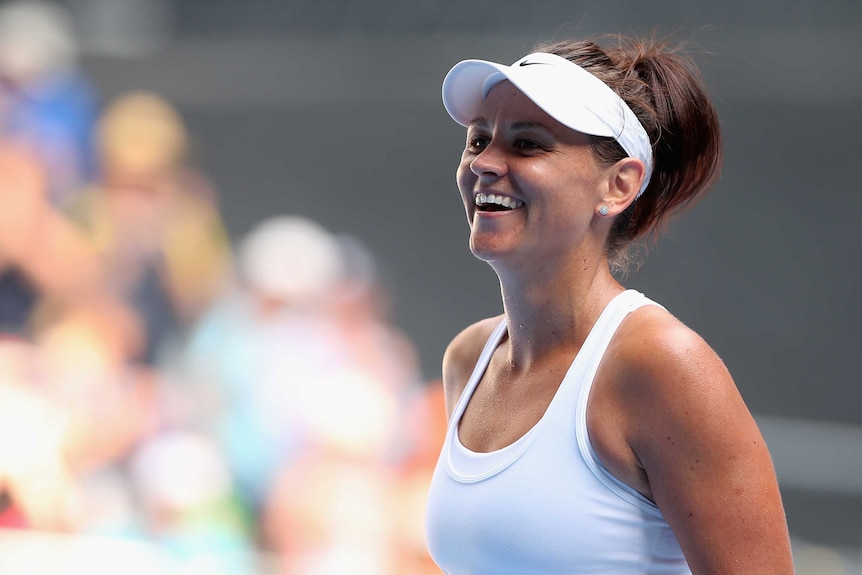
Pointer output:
x,y
530,185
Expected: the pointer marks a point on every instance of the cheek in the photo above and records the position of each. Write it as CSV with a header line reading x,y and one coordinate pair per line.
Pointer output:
x,y
465,178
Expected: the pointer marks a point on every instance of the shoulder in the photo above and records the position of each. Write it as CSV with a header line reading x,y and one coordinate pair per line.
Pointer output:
x,y
659,329
660,360
698,445
461,356
669,377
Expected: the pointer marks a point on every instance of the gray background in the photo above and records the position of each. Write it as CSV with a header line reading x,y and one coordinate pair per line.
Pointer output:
x,y
331,110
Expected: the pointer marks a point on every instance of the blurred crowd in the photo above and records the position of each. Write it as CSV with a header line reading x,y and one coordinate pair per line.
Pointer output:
x,y
171,399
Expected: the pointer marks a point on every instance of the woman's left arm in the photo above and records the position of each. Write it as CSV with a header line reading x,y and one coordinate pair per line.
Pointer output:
x,y
707,465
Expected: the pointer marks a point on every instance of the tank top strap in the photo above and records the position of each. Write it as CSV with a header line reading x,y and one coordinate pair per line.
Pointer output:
x,y
479,370
592,353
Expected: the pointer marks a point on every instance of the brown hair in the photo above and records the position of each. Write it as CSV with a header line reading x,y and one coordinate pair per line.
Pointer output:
x,y
664,89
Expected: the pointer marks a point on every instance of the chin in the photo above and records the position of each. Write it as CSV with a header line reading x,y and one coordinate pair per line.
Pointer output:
x,y
486,251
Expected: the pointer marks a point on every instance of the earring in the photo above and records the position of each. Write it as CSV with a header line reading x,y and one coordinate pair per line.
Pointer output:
x,y
603,210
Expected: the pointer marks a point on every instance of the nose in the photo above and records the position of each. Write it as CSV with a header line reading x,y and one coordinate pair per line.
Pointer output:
x,y
488,162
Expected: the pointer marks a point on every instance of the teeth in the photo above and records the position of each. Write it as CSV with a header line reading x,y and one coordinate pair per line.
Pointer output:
x,y
499,200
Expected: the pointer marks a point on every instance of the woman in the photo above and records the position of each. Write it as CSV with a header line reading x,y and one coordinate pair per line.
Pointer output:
x,y
590,430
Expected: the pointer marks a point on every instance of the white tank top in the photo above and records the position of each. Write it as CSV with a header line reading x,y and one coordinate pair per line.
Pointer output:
x,y
545,505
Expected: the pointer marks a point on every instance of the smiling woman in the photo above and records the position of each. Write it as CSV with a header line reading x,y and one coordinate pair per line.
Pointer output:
x,y
590,431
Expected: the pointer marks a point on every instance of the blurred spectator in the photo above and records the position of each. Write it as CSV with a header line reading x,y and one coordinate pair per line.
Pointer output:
x,y
43,257
425,426
81,449
38,489
187,500
60,379
153,219
88,360
334,508
253,354
306,381
361,306
333,515
46,103
107,402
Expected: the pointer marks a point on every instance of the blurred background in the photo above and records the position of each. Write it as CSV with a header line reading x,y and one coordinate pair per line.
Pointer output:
x,y
232,253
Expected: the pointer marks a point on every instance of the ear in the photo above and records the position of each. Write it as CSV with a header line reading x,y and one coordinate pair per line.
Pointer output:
x,y
623,184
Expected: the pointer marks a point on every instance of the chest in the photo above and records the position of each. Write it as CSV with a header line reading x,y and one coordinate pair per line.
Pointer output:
x,y
506,404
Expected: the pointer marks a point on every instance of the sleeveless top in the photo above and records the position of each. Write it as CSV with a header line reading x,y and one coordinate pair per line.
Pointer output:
x,y
545,504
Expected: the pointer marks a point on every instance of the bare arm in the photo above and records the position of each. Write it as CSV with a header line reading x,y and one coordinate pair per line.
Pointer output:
x,y
706,463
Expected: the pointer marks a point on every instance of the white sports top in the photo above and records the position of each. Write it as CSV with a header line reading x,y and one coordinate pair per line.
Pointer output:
x,y
545,505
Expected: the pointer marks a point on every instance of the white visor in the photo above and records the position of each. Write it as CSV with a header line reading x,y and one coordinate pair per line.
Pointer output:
x,y
564,90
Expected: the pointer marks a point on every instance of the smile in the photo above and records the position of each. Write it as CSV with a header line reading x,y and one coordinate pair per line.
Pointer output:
x,y
496,202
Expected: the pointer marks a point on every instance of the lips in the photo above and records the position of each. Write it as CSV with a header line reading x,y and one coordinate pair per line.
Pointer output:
x,y
496,202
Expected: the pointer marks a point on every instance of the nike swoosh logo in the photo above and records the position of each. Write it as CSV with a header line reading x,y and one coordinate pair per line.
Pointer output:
x,y
533,63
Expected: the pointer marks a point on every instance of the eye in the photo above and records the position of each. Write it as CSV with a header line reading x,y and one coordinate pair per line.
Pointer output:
x,y
527,145
477,142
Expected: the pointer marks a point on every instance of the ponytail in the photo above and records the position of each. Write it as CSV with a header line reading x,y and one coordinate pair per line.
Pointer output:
x,y
664,88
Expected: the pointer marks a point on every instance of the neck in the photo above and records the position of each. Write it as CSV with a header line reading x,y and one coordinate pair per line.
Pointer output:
x,y
553,311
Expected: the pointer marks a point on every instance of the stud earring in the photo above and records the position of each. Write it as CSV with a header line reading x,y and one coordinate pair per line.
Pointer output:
x,y
603,210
